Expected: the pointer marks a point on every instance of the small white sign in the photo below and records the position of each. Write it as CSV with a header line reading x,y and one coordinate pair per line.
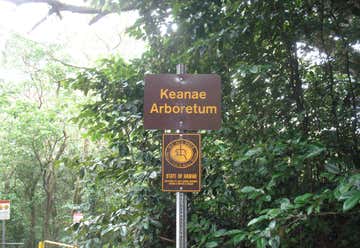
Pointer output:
x,y
4,210
77,217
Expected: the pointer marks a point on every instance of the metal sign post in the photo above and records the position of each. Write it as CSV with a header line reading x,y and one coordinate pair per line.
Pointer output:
x,y
181,220
3,234
4,215
181,201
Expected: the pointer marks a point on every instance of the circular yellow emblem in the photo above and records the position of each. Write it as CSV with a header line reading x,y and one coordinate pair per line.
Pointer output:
x,y
181,153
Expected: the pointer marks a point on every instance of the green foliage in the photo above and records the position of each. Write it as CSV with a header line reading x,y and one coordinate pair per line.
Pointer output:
x,y
349,190
37,143
282,170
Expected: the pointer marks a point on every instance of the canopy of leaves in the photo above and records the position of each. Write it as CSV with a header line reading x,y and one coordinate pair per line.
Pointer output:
x,y
284,167
40,147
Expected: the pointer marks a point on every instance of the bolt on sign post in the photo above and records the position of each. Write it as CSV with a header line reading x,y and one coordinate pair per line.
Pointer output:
x,y
182,102
4,215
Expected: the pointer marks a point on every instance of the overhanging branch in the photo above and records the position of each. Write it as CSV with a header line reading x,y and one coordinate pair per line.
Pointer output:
x,y
57,7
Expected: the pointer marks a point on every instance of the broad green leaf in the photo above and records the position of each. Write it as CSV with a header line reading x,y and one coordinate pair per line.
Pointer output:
x,y
219,233
261,243
231,232
267,198
314,151
262,161
351,202
309,210
274,242
332,168
253,69
348,194
253,151
302,199
342,190
284,203
272,224
273,213
258,219
211,244
248,189
355,179
238,238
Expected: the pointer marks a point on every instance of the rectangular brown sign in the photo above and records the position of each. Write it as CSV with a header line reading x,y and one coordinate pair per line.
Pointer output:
x,y
181,163
184,102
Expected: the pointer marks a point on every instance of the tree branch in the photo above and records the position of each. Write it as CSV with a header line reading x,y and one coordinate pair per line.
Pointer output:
x,y
37,155
167,239
67,64
57,7
62,147
40,22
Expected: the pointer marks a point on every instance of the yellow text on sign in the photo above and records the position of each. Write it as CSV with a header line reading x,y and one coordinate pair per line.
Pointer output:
x,y
180,94
197,109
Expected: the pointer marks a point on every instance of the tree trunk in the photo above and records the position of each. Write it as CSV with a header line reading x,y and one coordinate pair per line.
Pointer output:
x,y
30,196
32,235
49,186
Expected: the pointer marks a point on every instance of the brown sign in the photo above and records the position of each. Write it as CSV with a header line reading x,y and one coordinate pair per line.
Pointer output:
x,y
185,102
181,166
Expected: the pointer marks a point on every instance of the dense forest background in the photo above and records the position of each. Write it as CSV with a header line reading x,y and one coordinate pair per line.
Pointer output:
x,y
283,170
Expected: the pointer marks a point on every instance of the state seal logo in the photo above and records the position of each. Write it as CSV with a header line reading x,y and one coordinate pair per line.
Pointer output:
x,y
181,153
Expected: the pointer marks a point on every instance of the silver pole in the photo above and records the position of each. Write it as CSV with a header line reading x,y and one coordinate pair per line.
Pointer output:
x,y
181,201
181,220
3,234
